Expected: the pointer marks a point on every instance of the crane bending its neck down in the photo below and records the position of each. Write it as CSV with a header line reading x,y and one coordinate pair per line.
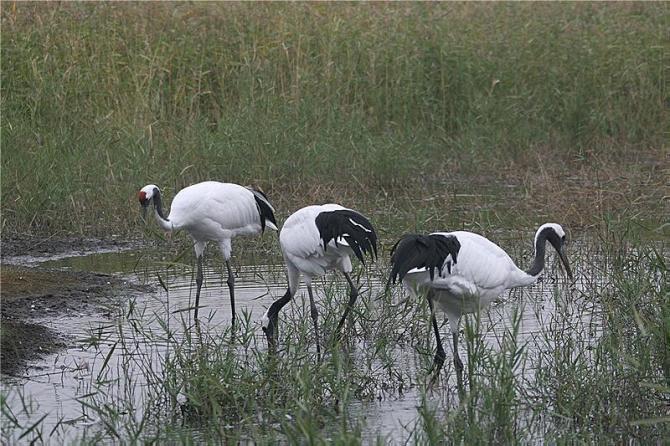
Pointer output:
x,y
152,192
212,211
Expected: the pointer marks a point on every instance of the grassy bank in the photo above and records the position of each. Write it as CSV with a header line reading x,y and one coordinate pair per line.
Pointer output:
x,y
393,108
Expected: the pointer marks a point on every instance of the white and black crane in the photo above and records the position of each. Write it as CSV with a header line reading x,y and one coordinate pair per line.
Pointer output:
x,y
213,211
463,272
314,240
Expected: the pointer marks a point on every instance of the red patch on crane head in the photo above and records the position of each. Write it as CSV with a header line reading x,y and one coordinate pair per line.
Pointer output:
x,y
142,196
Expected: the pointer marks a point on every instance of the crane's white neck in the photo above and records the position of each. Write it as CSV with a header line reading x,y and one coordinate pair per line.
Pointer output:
x,y
166,225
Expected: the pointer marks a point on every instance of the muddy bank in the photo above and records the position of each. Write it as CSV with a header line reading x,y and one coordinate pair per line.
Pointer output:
x,y
33,294
22,342
19,245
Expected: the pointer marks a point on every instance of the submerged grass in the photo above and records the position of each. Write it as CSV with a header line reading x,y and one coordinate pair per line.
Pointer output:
x,y
594,368
375,105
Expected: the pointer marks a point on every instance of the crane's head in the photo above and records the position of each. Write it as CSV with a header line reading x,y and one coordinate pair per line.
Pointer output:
x,y
268,324
554,233
146,194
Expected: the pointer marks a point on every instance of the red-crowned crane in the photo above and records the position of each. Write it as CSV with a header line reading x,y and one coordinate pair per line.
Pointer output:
x,y
314,240
213,211
471,272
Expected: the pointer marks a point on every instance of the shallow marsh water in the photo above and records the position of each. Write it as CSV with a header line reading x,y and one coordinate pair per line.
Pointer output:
x,y
58,389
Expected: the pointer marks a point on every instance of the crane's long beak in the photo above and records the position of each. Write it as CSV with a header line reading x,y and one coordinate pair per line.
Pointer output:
x,y
144,212
564,259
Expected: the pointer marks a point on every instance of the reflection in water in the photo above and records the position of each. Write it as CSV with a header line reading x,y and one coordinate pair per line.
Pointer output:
x,y
58,385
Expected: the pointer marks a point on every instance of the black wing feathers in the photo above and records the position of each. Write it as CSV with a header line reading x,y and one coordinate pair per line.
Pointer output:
x,y
423,251
265,210
350,225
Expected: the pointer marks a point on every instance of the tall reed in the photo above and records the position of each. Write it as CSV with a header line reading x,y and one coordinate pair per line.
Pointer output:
x,y
311,101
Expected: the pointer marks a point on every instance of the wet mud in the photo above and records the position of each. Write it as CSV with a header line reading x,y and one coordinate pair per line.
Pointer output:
x,y
31,295
18,246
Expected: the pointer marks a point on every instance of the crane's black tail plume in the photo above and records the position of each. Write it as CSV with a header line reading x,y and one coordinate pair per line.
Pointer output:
x,y
423,251
354,228
265,210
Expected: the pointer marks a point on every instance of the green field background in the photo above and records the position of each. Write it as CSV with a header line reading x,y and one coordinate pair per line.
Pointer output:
x,y
376,105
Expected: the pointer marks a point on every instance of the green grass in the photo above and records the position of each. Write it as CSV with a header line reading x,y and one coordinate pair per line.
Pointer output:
x,y
367,104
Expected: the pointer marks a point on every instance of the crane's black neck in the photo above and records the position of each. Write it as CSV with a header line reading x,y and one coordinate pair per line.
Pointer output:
x,y
279,304
540,250
273,317
158,204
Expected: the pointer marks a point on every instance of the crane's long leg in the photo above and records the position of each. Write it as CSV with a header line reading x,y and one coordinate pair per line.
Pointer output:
x,y
458,364
315,314
439,354
353,294
198,282
231,288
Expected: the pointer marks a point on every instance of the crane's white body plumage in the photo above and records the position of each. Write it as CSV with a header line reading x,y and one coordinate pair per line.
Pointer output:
x,y
303,249
483,271
314,240
212,211
462,272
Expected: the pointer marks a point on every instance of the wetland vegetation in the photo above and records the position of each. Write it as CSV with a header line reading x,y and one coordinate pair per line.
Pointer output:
x,y
487,117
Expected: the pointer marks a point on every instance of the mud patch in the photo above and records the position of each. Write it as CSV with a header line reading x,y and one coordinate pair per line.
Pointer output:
x,y
33,294
18,245
21,342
